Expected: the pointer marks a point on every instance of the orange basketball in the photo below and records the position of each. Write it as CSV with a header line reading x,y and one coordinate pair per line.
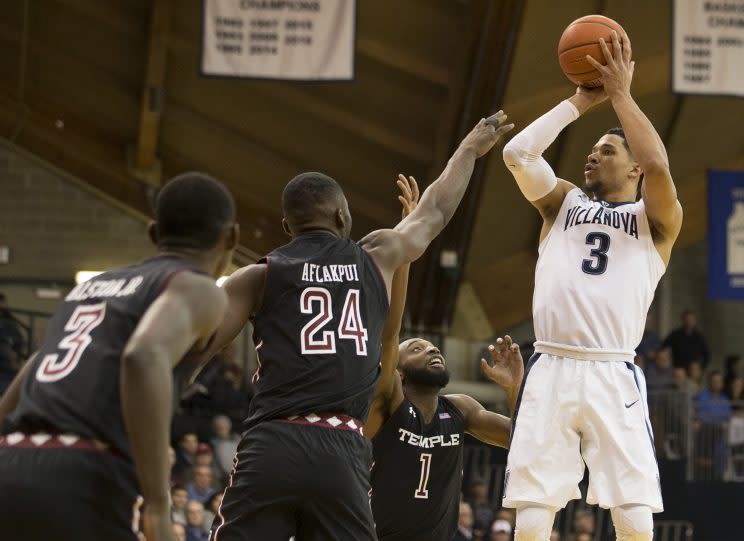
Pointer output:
x,y
581,38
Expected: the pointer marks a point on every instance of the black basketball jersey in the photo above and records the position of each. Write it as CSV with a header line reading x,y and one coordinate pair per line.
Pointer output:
x,y
318,332
417,474
73,384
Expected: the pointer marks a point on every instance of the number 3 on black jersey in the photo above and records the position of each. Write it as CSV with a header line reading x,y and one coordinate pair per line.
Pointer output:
x,y
83,320
318,301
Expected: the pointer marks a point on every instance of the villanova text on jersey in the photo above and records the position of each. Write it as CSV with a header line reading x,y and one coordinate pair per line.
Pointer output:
x,y
617,218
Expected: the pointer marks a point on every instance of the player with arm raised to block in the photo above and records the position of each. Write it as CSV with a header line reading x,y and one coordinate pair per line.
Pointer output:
x,y
86,423
601,256
318,306
417,435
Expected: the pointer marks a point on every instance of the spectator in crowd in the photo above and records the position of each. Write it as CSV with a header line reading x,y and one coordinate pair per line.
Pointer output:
x,y
201,489
583,536
195,522
681,382
205,457
172,463
179,497
500,531
555,535
211,508
179,531
711,405
732,365
687,342
713,410
695,376
11,346
509,515
660,373
464,523
583,522
483,514
649,346
225,444
735,393
186,454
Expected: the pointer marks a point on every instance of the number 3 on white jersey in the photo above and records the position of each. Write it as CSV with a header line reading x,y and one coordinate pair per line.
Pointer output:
x,y
350,327
83,320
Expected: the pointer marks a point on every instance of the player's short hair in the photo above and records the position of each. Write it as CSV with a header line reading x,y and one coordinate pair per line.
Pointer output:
x,y
307,193
191,211
178,487
620,133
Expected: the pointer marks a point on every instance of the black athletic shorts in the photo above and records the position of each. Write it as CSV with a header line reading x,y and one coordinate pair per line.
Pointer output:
x,y
309,482
49,494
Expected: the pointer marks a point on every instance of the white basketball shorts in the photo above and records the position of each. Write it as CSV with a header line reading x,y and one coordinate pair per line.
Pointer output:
x,y
572,412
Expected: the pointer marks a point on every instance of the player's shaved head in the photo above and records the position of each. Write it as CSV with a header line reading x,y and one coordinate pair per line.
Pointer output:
x,y
192,210
311,200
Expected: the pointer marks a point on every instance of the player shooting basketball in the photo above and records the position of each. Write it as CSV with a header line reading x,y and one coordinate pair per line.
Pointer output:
x,y
601,257
417,435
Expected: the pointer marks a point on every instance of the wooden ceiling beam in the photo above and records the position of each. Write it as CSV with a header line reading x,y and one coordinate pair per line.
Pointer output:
x,y
146,166
321,110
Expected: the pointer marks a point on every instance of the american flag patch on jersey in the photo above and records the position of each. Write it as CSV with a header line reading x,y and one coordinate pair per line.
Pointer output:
x,y
444,416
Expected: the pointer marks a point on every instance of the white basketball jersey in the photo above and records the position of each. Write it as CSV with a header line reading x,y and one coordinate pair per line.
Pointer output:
x,y
595,279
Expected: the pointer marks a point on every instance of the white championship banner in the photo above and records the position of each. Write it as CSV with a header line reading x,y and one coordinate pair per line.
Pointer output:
x,y
308,40
708,47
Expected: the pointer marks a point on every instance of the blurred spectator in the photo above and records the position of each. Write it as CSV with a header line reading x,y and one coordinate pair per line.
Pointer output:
x,y
649,346
179,497
584,537
179,532
205,457
711,405
464,523
695,376
687,343
509,515
713,412
211,508
500,531
186,454
681,382
172,463
201,489
195,522
555,535
11,346
225,444
735,393
583,522
733,370
660,373
483,514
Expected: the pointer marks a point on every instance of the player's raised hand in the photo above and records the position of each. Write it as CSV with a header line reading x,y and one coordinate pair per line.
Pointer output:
x,y
618,73
409,194
507,367
486,133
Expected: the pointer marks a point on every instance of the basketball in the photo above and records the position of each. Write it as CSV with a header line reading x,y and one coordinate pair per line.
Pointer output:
x,y
581,38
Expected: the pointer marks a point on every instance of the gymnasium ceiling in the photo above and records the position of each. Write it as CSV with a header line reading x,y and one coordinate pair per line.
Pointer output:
x,y
75,74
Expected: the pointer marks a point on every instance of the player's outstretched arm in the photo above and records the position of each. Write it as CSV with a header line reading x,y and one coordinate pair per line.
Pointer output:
x,y
184,316
659,193
507,370
11,396
410,238
244,289
389,391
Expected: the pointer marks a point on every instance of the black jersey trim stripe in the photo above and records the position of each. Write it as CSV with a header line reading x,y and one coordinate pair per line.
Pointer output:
x,y
533,359
379,274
